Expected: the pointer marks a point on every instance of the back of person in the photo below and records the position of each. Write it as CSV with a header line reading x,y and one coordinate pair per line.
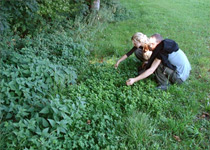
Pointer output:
x,y
179,59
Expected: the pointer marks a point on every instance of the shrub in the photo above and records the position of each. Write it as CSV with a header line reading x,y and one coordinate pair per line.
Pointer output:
x,y
62,9
34,74
21,15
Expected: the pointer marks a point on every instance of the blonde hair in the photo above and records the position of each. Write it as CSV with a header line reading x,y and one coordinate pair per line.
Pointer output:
x,y
140,37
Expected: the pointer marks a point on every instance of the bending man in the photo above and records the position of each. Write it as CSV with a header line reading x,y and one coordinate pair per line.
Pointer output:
x,y
169,63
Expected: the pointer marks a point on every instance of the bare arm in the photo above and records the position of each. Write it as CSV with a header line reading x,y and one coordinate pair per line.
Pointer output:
x,y
120,60
147,73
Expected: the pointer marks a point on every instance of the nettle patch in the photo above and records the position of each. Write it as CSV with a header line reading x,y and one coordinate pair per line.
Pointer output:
x,y
43,107
52,98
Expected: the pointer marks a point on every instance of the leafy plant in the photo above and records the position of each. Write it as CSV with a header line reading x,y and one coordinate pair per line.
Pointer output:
x,y
22,15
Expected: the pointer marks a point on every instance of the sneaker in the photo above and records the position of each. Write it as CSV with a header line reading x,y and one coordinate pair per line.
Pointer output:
x,y
163,87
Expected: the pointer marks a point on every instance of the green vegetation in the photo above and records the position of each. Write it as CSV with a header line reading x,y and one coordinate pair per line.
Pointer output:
x,y
59,88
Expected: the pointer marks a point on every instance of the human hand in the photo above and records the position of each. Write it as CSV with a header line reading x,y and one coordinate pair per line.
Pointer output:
x,y
116,65
130,81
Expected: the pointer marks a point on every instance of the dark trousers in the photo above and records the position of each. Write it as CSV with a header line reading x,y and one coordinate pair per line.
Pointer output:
x,y
139,54
165,75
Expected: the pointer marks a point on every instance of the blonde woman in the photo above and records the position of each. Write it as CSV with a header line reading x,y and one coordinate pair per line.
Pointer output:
x,y
140,42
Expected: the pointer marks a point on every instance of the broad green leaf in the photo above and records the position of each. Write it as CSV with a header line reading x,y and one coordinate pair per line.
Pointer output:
x,y
55,110
45,123
9,115
45,131
61,129
45,110
38,131
52,122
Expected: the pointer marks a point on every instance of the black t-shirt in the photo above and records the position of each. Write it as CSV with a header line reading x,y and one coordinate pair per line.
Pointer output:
x,y
162,50
133,50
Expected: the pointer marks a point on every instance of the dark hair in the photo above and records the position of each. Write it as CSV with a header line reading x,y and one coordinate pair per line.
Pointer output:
x,y
158,37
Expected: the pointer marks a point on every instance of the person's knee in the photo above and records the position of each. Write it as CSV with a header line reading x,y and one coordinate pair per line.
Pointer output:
x,y
175,79
161,77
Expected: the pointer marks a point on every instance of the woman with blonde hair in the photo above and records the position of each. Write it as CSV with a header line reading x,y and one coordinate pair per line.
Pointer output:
x,y
140,42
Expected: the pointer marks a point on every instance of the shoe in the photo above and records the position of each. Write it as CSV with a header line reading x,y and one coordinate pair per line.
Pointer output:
x,y
163,87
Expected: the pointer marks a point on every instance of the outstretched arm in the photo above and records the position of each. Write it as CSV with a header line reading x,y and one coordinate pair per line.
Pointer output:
x,y
145,74
121,59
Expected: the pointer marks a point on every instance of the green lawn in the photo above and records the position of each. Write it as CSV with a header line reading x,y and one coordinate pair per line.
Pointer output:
x,y
186,22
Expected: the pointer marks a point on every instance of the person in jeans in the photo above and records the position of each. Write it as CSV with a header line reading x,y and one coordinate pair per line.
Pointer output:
x,y
139,41
168,62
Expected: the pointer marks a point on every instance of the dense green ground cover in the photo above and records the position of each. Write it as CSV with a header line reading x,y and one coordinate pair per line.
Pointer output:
x,y
54,95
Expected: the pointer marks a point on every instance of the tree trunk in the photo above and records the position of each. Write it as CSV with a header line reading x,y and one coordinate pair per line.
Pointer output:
x,y
95,5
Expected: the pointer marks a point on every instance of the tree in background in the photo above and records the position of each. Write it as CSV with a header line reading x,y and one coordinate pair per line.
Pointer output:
x,y
33,16
95,5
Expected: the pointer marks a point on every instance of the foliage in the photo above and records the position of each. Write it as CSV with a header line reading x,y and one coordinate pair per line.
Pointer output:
x,y
34,72
60,9
4,25
54,96
119,12
33,16
20,16
36,113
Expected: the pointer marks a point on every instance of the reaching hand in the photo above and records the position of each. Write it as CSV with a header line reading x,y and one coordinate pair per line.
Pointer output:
x,y
130,81
116,65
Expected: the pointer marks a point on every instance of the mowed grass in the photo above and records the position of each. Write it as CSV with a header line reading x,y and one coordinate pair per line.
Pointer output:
x,y
185,124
